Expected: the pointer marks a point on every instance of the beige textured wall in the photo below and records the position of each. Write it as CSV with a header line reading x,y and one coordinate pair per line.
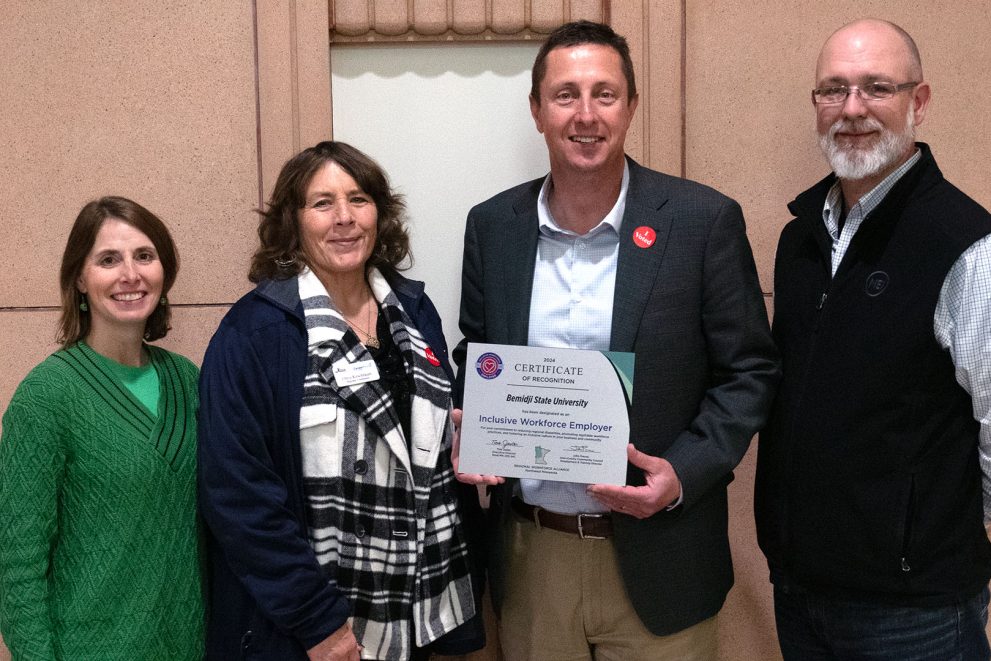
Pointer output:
x,y
151,100
750,123
191,109
166,102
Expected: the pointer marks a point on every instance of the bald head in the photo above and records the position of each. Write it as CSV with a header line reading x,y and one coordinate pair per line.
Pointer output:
x,y
872,38
865,134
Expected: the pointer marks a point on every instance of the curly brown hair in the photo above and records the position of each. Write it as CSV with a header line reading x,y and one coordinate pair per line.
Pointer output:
x,y
280,255
73,325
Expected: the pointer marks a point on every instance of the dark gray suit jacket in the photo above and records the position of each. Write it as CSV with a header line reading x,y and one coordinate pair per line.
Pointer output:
x,y
691,308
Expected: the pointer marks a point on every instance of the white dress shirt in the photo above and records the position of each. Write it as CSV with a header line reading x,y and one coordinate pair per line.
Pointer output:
x,y
574,280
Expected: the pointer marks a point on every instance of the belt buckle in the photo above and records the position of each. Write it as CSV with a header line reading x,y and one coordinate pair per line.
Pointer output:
x,y
581,530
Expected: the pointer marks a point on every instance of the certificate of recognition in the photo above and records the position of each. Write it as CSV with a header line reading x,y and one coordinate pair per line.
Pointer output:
x,y
547,414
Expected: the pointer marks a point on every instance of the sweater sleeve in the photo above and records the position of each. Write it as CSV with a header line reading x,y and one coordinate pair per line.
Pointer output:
x,y
31,464
244,499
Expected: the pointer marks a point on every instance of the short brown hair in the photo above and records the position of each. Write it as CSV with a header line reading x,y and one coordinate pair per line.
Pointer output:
x,y
280,255
576,34
73,325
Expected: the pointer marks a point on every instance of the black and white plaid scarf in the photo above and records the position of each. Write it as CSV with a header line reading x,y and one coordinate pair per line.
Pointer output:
x,y
383,513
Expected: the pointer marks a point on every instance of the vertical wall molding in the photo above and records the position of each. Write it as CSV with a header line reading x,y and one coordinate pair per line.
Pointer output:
x,y
293,74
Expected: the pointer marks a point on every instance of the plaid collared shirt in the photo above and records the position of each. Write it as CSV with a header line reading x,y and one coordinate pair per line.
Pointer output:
x,y
833,209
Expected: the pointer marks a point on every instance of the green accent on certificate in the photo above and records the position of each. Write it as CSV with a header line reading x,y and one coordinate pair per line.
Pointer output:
x,y
547,414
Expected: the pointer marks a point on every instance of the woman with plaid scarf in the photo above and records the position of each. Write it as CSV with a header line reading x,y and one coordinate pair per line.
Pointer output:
x,y
336,527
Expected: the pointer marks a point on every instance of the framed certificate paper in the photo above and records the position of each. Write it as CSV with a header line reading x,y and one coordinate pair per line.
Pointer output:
x,y
548,414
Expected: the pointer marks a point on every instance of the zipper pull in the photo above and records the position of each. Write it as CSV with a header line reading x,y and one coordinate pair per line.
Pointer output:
x,y
822,301
905,566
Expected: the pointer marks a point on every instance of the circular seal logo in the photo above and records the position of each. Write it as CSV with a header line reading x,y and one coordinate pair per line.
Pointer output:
x,y
488,365
876,283
644,236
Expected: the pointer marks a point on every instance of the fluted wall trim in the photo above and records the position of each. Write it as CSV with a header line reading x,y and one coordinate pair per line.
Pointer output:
x,y
364,21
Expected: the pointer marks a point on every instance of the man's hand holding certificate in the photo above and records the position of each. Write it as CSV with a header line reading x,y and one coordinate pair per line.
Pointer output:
x,y
549,414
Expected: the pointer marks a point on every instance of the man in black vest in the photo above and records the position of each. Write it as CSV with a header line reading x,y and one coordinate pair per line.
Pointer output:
x,y
869,481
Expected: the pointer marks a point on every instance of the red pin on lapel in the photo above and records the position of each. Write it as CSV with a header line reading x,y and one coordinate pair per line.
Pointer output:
x,y
644,236
434,360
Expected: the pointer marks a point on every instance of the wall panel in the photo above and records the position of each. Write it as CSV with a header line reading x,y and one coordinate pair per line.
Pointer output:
x,y
293,82
148,103
749,119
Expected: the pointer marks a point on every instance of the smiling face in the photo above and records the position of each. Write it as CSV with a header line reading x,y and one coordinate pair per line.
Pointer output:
x,y
122,278
337,225
584,111
866,140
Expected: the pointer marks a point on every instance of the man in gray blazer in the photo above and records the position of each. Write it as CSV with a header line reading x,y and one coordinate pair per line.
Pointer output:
x,y
605,254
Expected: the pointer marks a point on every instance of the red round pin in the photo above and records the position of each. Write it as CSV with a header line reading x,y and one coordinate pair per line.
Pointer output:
x,y
434,360
644,236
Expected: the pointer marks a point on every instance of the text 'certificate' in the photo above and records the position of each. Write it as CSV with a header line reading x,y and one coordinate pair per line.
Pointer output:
x,y
547,414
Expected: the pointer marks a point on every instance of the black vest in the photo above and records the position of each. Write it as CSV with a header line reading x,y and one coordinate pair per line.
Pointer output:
x,y
868,477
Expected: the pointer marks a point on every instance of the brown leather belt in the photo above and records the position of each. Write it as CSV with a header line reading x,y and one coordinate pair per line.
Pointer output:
x,y
586,526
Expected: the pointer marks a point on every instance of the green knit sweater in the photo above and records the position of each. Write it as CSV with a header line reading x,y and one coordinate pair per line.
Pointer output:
x,y
98,529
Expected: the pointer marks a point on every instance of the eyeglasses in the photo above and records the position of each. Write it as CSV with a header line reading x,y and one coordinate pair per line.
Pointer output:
x,y
875,91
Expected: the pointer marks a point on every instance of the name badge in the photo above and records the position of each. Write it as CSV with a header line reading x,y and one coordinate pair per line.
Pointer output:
x,y
351,374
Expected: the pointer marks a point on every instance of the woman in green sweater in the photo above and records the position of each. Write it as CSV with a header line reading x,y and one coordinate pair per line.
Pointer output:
x,y
98,530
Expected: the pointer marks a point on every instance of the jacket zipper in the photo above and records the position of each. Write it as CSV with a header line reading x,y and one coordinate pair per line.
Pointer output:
x,y
907,536
793,422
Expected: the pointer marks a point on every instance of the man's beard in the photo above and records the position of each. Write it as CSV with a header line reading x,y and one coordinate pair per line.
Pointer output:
x,y
854,164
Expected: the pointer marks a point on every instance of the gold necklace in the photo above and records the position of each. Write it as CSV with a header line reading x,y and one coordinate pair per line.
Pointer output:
x,y
371,341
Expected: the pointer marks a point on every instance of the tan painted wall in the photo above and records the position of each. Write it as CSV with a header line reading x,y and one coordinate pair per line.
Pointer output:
x,y
191,108
141,99
164,101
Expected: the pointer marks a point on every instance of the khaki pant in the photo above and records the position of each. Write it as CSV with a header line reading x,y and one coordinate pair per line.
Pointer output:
x,y
565,601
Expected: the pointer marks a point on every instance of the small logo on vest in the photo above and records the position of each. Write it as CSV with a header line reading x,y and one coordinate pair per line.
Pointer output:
x,y
877,282
488,365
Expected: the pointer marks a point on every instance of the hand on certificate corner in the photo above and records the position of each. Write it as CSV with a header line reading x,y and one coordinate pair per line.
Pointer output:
x,y
661,489
338,646
467,478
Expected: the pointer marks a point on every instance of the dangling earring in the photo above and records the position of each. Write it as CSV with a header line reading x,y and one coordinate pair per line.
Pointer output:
x,y
285,262
82,304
